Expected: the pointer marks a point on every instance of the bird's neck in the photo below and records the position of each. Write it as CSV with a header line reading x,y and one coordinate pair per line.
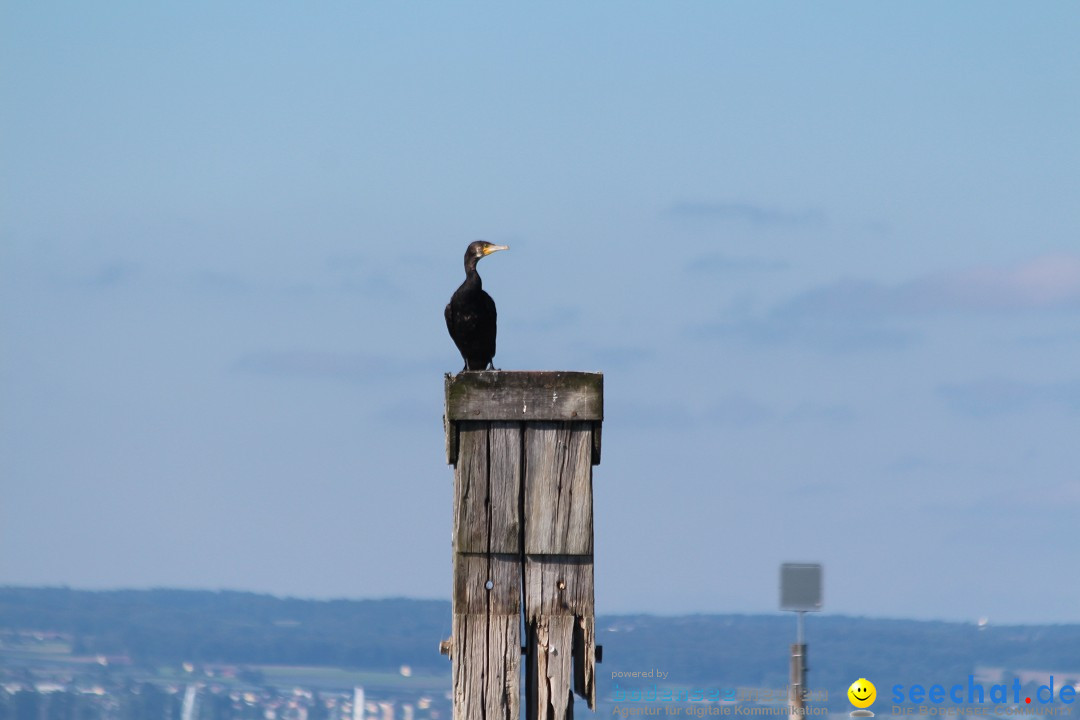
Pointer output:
x,y
472,278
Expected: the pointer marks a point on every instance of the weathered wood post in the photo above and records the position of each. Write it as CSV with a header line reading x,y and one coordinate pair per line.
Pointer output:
x,y
523,445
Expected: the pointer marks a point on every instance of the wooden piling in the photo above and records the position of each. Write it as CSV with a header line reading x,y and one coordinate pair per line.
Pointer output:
x,y
523,445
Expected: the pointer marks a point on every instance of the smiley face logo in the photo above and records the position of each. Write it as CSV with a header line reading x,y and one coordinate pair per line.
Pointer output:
x,y
862,693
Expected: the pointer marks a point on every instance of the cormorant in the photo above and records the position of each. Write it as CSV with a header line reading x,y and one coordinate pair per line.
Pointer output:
x,y
470,314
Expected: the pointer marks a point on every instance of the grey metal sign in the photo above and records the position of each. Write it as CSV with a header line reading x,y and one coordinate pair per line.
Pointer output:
x,y
800,587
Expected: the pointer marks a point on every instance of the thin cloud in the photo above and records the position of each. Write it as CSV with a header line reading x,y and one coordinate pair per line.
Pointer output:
x,y
1050,282
650,416
910,464
613,356
375,284
1045,498
738,411
347,367
823,334
818,413
1050,339
852,314
748,213
718,263
411,413
108,276
546,319
369,276
218,282
114,274
735,410
817,490
998,396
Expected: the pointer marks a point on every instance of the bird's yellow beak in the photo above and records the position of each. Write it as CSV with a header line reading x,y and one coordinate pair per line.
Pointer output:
x,y
494,248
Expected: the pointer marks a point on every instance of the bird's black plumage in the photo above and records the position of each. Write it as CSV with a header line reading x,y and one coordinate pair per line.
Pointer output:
x,y
470,314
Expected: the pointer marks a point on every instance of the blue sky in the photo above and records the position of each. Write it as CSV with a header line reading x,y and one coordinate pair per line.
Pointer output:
x,y
827,256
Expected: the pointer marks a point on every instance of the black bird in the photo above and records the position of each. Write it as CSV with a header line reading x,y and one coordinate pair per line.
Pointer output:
x,y
470,314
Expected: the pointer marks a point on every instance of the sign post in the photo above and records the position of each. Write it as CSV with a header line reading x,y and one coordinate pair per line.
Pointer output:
x,y
800,592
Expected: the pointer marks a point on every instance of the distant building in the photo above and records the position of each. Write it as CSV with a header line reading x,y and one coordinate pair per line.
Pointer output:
x,y
189,710
358,703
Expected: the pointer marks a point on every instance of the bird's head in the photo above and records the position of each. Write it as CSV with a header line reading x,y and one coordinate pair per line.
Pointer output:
x,y
482,248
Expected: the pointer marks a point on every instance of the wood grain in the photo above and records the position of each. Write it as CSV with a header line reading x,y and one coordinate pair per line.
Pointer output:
x,y
486,667
558,488
548,673
558,585
486,643
471,501
504,486
561,586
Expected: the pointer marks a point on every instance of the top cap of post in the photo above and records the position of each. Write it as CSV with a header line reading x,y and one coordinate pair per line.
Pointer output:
x,y
525,395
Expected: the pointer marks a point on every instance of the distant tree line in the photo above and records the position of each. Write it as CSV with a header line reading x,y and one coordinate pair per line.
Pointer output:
x,y
172,626
158,627
754,650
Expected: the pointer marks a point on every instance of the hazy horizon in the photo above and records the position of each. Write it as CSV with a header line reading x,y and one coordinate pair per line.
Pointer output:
x,y
811,616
